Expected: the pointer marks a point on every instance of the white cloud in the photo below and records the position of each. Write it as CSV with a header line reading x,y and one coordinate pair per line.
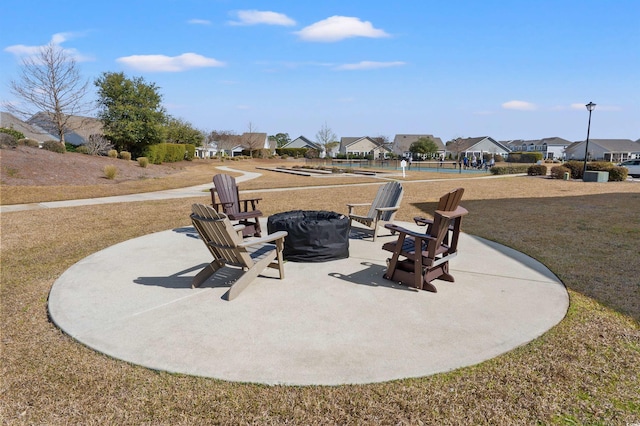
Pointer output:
x,y
199,22
57,39
338,28
163,63
255,17
369,65
519,105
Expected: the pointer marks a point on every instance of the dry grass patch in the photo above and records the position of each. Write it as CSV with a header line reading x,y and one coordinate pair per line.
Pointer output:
x,y
583,371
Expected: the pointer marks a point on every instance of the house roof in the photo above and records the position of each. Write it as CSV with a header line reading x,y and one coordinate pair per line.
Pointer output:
x,y
80,128
466,144
30,131
347,141
616,145
402,142
302,142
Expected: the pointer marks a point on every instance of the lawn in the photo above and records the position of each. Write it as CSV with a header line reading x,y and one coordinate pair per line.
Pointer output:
x,y
583,371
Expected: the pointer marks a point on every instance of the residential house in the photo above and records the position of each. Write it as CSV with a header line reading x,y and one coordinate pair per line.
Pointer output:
x,y
478,147
614,150
402,143
363,146
80,128
256,141
303,142
30,131
552,148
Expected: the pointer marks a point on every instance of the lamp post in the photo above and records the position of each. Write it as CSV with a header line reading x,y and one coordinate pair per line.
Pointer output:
x,y
590,107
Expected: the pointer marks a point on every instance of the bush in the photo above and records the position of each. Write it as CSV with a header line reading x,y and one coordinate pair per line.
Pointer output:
x,y
125,155
508,170
110,171
54,146
524,157
575,167
82,149
557,172
7,140
292,152
69,147
537,170
143,162
31,143
170,152
112,153
618,174
16,134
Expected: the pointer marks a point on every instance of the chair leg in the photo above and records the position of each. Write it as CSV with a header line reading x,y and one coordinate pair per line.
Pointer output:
x,y
246,278
204,275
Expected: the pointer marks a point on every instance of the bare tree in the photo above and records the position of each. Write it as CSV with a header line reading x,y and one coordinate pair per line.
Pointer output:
x,y
98,144
326,138
224,140
253,140
50,83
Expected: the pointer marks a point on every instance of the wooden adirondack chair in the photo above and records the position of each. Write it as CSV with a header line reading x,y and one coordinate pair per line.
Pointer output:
x,y
226,245
425,256
243,211
448,202
383,208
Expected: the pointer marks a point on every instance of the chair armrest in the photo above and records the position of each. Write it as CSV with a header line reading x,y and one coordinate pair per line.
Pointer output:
x,y
387,209
422,221
353,205
401,230
459,212
266,239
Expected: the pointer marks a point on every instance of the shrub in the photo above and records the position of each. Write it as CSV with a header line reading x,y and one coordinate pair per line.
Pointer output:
x,y
618,174
190,152
125,155
82,149
110,171
54,146
575,167
69,147
537,170
508,170
557,172
31,143
524,157
16,134
98,144
143,162
112,153
7,140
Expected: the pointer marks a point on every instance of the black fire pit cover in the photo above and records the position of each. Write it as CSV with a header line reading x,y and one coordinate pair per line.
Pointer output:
x,y
314,236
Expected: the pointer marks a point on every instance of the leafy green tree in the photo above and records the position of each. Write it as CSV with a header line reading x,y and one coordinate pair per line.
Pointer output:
x,y
131,112
424,146
178,130
281,139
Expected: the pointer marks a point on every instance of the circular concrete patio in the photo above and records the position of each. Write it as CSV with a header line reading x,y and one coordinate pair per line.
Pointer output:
x,y
326,323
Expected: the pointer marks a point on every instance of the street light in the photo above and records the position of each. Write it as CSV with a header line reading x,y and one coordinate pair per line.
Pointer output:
x,y
590,107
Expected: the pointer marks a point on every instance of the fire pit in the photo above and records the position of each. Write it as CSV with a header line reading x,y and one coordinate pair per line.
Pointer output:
x,y
313,236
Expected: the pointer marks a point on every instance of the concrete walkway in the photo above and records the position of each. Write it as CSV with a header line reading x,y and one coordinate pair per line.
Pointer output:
x,y
325,324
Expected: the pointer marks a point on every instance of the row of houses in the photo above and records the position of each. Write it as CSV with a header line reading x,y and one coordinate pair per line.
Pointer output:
x,y
39,128
553,148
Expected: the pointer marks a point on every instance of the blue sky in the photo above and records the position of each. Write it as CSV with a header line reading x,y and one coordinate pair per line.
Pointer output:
x,y
507,69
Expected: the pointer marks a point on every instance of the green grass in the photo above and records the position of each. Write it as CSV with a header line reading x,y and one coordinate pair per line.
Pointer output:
x,y
583,371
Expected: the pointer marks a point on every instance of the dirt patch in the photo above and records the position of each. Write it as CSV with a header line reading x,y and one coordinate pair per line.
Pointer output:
x,y
24,166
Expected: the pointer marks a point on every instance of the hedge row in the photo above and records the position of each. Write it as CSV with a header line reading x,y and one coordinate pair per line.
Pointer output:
x,y
524,157
509,170
170,152
616,173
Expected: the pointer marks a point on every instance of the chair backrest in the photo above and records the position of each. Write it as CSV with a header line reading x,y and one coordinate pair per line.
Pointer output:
x,y
389,195
450,200
219,236
227,191
440,228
